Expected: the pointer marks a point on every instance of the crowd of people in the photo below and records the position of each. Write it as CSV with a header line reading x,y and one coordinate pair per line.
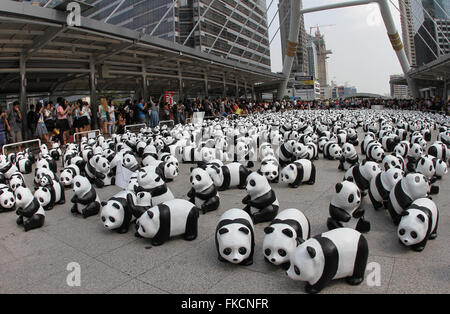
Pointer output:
x,y
57,122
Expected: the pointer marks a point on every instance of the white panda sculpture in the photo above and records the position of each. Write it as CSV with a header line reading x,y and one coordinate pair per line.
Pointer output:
x,y
270,169
130,162
150,181
440,151
439,166
339,253
381,186
139,203
349,157
7,168
391,161
103,174
425,166
116,213
67,175
345,208
169,219
56,190
229,176
24,165
203,192
362,174
289,228
7,199
30,212
235,237
413,186
300,171
418,224
85,200
332,151
16,180
261,202
39,172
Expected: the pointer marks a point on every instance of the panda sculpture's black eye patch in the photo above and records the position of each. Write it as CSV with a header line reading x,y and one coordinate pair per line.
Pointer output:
x,y
267,252
413,234
223,231
252,183
351,198
417,179
288,232
242,250
282,252
115,205
227,251
244,230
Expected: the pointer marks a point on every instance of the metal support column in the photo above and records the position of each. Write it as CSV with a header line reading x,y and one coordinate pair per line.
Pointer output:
x,y
245,89
144,81
206,85
180,83
224,92
253,91
23,95
93,90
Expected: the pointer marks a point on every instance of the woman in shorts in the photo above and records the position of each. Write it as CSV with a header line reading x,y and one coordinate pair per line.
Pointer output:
x,y
41,129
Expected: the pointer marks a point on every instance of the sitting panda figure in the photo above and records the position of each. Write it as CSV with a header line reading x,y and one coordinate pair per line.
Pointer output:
x,y
169,219
47,162
242,154
203,193
24,165
133,183
40,172
7,199
362,174
300,171
56,190
235,237
415,152
67,175
130,162
440,167
7,168
374,152
405,192
16,180
229,176
269,169
285,153
339,253
345,208
150,181
418,224
382,185
85,200
391,161
116,213
167,170
289,228
104,175
30,212
425,166
312,151
349,157
261,202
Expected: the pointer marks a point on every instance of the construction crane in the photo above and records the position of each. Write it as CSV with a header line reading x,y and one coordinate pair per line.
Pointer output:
x,y
318,27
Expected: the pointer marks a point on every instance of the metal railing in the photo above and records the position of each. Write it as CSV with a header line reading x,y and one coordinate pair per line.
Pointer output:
x,y
20,143
134,126
85,132
167,122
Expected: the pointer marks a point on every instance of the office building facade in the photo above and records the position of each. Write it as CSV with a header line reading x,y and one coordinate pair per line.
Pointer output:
x,y
425,28
232,29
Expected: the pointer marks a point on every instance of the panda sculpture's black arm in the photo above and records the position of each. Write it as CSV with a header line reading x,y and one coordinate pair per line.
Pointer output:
x,y
88,198
191,195
136,211
339,214
30,210
263,201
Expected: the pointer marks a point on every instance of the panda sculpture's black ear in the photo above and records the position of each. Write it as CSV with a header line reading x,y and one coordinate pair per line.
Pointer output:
x,y
268,230
350,179
421,217
339,187
244,230
150,214
259,172
103,203
405,213
311,251
223,231
288,232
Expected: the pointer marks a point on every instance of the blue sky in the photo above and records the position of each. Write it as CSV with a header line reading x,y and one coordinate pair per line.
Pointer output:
x,y
362,54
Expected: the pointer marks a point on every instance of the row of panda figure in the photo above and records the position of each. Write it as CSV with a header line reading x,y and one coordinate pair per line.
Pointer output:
x,y
290,142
